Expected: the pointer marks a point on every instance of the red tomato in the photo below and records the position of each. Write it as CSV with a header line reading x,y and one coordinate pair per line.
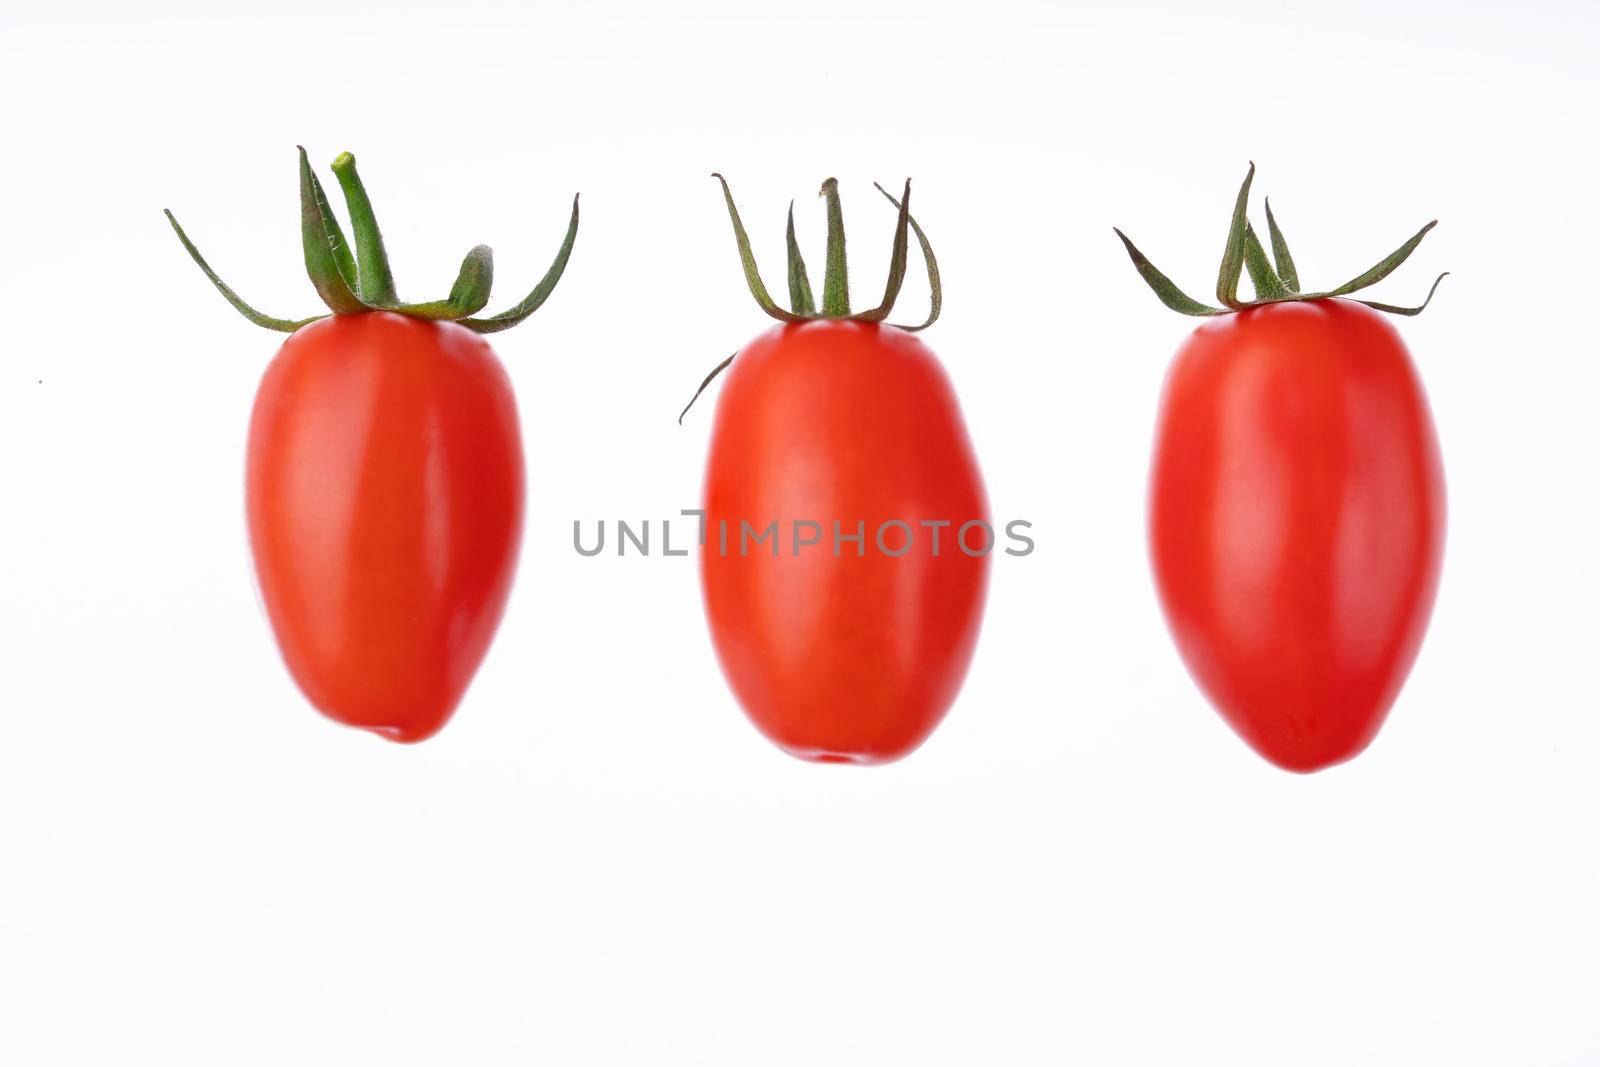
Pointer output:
x,y
850,657
1297,516
384,487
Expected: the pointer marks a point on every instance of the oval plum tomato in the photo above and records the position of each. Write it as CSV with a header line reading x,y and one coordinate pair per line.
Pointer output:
x,y
384,475
1297,502
843,561
384,486
1297,516
849,655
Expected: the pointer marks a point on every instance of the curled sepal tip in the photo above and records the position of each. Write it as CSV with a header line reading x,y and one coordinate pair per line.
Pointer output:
x,y
468,295
1275,280
1394,309
541,292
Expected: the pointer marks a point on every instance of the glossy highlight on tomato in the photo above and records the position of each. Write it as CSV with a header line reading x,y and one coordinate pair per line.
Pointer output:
x,y
384,490
1297,522
842,657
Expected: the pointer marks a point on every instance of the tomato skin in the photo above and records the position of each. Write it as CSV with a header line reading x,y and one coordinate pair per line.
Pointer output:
x,y
850,658
384,493
1297,521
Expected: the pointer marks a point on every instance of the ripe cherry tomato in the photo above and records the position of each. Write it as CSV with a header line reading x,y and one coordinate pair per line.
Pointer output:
x,y
384,485
1297,517
852,656
384,480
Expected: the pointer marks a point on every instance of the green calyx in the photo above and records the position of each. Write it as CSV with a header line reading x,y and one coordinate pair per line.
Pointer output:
x,y
1274,281
835,276
351,280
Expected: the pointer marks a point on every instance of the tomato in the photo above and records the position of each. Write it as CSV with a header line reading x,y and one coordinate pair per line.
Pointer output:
x,y
384,478
1297,504
384,488
1297,519
855,655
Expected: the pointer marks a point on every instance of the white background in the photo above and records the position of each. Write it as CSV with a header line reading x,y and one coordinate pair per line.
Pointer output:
x,y
599,860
